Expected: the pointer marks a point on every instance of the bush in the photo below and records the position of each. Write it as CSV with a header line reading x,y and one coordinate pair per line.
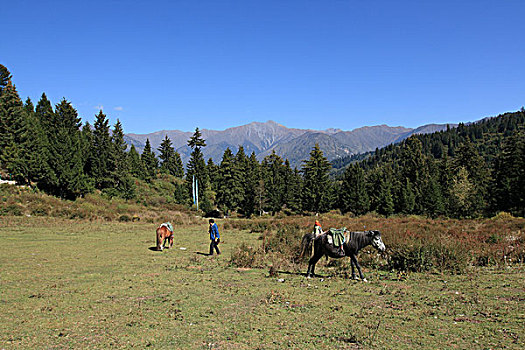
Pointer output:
x,y
243,256
287,241
427,256
124,218
12,209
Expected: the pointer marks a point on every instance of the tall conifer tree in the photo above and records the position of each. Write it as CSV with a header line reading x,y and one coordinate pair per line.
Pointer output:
x,y
167,156
316,189
229,193
273,177
13,134
102,167
136,166
66,159
150,162
197,167
353,196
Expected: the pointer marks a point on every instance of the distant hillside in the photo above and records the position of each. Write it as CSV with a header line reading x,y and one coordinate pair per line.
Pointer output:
x,y
292,144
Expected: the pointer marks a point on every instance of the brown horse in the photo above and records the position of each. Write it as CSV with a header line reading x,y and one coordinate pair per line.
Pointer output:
x,y
163,235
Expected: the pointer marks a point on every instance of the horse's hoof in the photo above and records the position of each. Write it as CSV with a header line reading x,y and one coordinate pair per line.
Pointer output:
x,y
365,280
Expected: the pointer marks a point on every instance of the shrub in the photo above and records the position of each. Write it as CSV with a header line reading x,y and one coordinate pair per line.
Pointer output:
x,y
427,256
40,211
243,256
124,218
287,241
12,209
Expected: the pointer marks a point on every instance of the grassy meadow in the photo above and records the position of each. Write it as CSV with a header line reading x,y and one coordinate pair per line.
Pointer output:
x,y
70,284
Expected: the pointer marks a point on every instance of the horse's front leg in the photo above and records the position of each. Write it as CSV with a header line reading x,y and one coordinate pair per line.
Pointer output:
x,y
354,262
171,241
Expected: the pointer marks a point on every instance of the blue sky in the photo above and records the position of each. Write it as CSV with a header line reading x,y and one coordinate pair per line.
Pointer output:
x,y
306,64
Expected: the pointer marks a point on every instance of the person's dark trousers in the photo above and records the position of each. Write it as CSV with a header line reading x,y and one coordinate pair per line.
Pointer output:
x,y
213,245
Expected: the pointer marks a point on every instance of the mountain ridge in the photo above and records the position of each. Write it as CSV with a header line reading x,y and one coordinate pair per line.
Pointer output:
x,y
293,144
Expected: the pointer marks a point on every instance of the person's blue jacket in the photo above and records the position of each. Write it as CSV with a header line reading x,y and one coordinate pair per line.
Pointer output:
x,y
214,232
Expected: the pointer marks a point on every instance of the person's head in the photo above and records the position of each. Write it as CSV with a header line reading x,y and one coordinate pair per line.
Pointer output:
x,y
211,221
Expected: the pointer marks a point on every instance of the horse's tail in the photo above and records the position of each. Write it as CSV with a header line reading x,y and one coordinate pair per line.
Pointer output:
x,y
306,244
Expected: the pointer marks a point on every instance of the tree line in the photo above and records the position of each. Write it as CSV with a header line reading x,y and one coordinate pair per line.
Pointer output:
x,y
469,171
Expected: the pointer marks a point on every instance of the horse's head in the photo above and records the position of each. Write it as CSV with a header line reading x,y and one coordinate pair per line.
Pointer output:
x,y
377,242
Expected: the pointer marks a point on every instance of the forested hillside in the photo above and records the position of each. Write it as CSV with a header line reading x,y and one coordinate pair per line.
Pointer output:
x,y
468,171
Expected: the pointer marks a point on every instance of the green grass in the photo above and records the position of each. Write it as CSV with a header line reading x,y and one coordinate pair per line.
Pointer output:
x,y
77,284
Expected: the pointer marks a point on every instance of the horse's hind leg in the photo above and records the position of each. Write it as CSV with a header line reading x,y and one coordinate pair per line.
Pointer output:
x,y
159,240
353,269
311,264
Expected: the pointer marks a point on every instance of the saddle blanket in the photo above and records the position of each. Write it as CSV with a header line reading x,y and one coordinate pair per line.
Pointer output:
x,y
168,226
336,236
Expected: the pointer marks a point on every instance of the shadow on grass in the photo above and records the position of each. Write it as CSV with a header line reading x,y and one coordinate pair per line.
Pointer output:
x,y
154,249
201,253
296,273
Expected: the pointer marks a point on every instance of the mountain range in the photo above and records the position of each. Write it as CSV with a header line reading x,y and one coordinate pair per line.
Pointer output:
x,y
289,143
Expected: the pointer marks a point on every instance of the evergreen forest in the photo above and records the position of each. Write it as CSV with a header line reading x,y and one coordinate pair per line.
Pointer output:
x,y
474,170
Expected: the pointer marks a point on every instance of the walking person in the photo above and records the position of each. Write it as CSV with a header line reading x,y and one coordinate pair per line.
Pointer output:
x,y
215,238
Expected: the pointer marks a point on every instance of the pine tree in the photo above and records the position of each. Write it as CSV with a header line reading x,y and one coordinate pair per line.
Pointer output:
x,y
88,154
136,166
229,193
150,162
462,193
272,174
196,141
13,134
353,195
44,115
167,155
35,150
407,199
432,200
213,172
197,167
121,178
251,184
468,158
508,189
5,78
445,182
316,191
292,188
66,159
178,166
385,200
119,155
102,167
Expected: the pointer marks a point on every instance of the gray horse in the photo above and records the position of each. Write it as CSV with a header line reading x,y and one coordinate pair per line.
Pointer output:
x,y
354,242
